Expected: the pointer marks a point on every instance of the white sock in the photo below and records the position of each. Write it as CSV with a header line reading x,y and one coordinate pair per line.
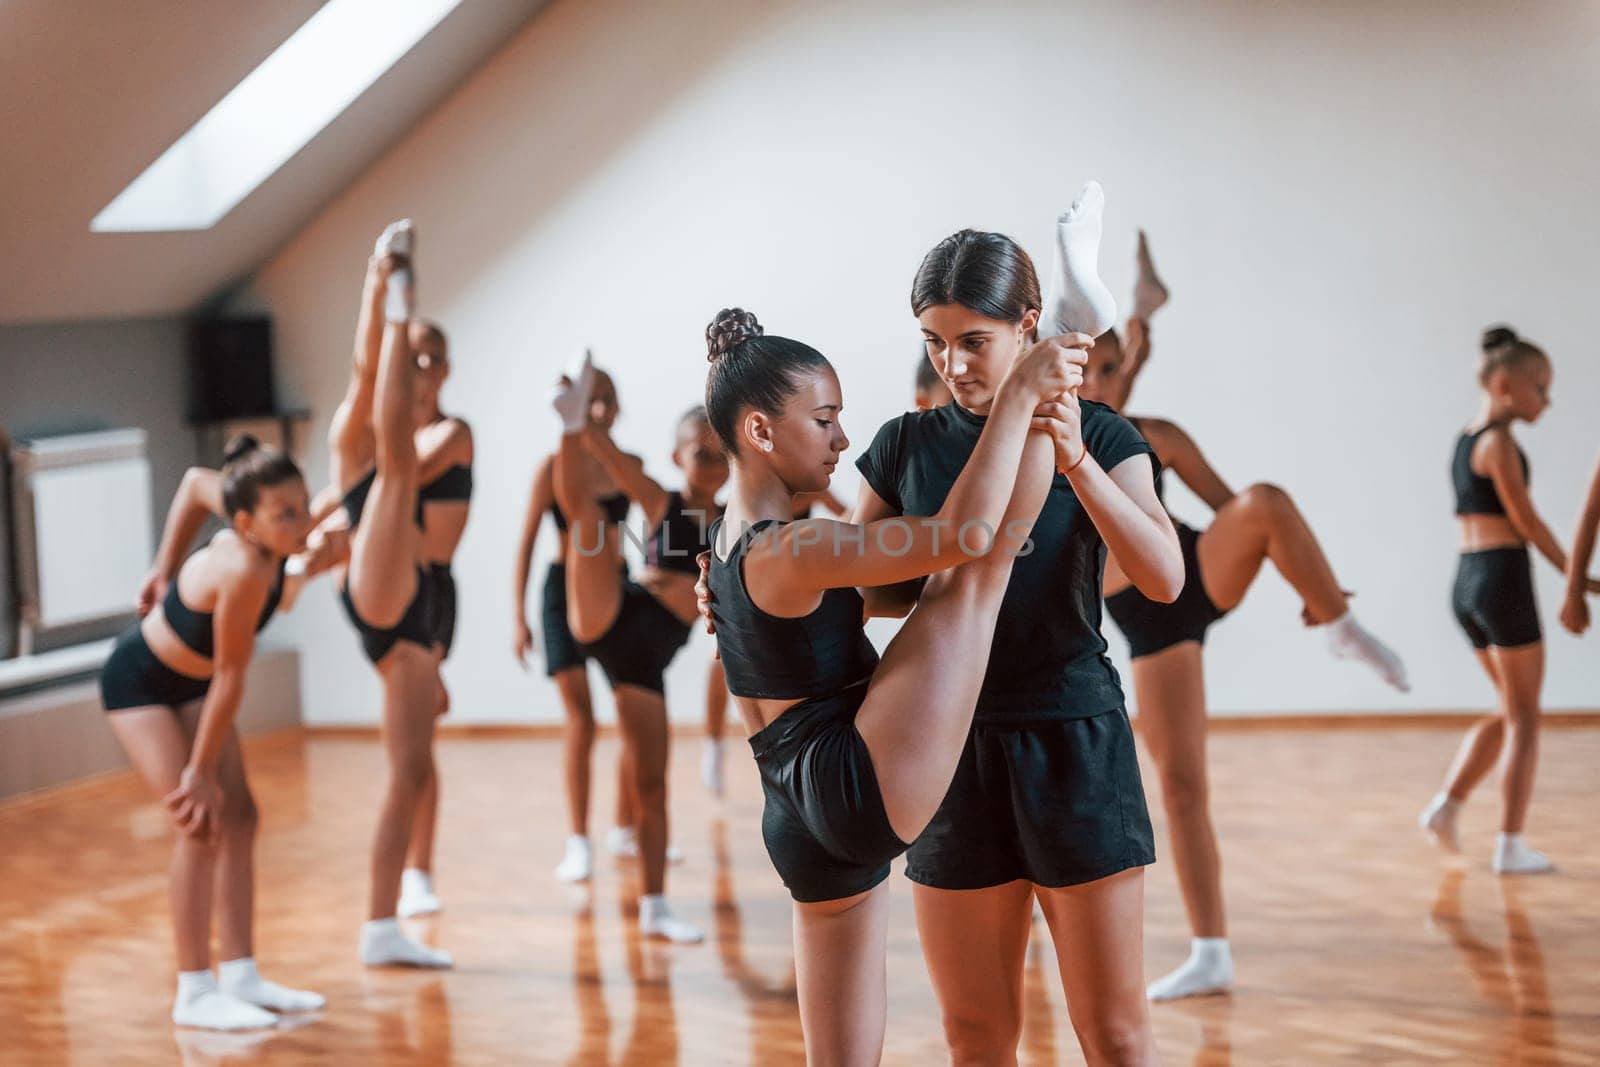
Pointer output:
x,y
578,863
201,1004
1512,856
571,395
711,767
623,842
384,943
241,979
1347,639
399,302
1148,292
1078,301
416,893
1438,821
657,920
1209,969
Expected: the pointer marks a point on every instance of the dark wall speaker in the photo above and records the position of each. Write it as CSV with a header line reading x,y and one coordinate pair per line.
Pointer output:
x,y
230,369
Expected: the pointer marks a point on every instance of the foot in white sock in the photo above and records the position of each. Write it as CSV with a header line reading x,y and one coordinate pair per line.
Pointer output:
x,y
1208,970
384,944
572,393
1348,639
201,1004
578,863
1078,301
1148,292
1512,856
241,979
416,894
657,920
623,842
711,768
400,298
1438,821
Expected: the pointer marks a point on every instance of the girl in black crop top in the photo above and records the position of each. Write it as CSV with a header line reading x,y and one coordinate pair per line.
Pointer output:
x,y
855,754
1166,642
1493,596
187,658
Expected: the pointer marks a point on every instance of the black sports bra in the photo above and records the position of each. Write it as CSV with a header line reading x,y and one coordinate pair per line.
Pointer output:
x,y
1476,494
354,500
455,485
763,655
615,506
681,535
194,628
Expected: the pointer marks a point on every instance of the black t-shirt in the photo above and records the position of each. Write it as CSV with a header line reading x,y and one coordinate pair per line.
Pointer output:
x,y
1048,659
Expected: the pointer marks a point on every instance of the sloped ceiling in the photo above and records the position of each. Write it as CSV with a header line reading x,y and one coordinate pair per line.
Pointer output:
x,y
92,92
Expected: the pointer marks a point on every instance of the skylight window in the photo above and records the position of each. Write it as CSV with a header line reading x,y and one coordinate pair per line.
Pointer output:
x,y
278,108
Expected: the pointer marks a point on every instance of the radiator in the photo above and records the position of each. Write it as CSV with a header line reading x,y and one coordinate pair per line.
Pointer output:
x,y
81,508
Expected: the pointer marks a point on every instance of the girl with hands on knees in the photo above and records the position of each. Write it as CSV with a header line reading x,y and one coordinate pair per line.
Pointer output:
x,y
172,688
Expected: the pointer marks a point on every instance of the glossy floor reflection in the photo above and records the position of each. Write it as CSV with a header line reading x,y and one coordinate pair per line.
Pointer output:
x,y
1353,943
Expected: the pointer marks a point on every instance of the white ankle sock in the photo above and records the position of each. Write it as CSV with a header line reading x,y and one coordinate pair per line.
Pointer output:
x,y
623,842
241,978
657,920
399,302
1078,301
1438,821
1148,292
201,1004
711,767
1348,639
578,863
384,943
1512,856
1209,969
571,396
416,893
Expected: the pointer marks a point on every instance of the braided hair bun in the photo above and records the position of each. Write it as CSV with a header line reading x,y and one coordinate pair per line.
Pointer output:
x,y
731,328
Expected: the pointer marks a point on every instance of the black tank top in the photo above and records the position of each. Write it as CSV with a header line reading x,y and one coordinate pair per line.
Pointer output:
x,y
455,484
354,500
1475,494
615,506
681,535
818,654
194,627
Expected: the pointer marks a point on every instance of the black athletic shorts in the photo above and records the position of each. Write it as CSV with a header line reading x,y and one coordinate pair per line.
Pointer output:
x,y
1151,626
1493,598
1055,802
823,821
443,605
134,678
641,641
561,649
415,626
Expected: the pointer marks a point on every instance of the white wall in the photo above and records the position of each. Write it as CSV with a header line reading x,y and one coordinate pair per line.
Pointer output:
x,y
1340,195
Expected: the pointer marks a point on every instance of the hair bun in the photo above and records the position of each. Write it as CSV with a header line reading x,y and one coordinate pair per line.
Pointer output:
x,y
239,446
1495,336
731,328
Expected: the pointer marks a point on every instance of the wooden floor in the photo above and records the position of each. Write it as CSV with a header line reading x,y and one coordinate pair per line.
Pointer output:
x,y
1353,943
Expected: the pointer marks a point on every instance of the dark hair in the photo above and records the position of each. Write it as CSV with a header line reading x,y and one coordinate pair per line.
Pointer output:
x,y
248,467
927,373
1502,348
986,272
750,369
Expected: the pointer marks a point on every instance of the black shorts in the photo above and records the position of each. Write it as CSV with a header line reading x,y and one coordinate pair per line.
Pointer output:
x,y
415,626
561,649
1493,598
641,641
443,604
823,820
1151,626
1054,802
134,678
